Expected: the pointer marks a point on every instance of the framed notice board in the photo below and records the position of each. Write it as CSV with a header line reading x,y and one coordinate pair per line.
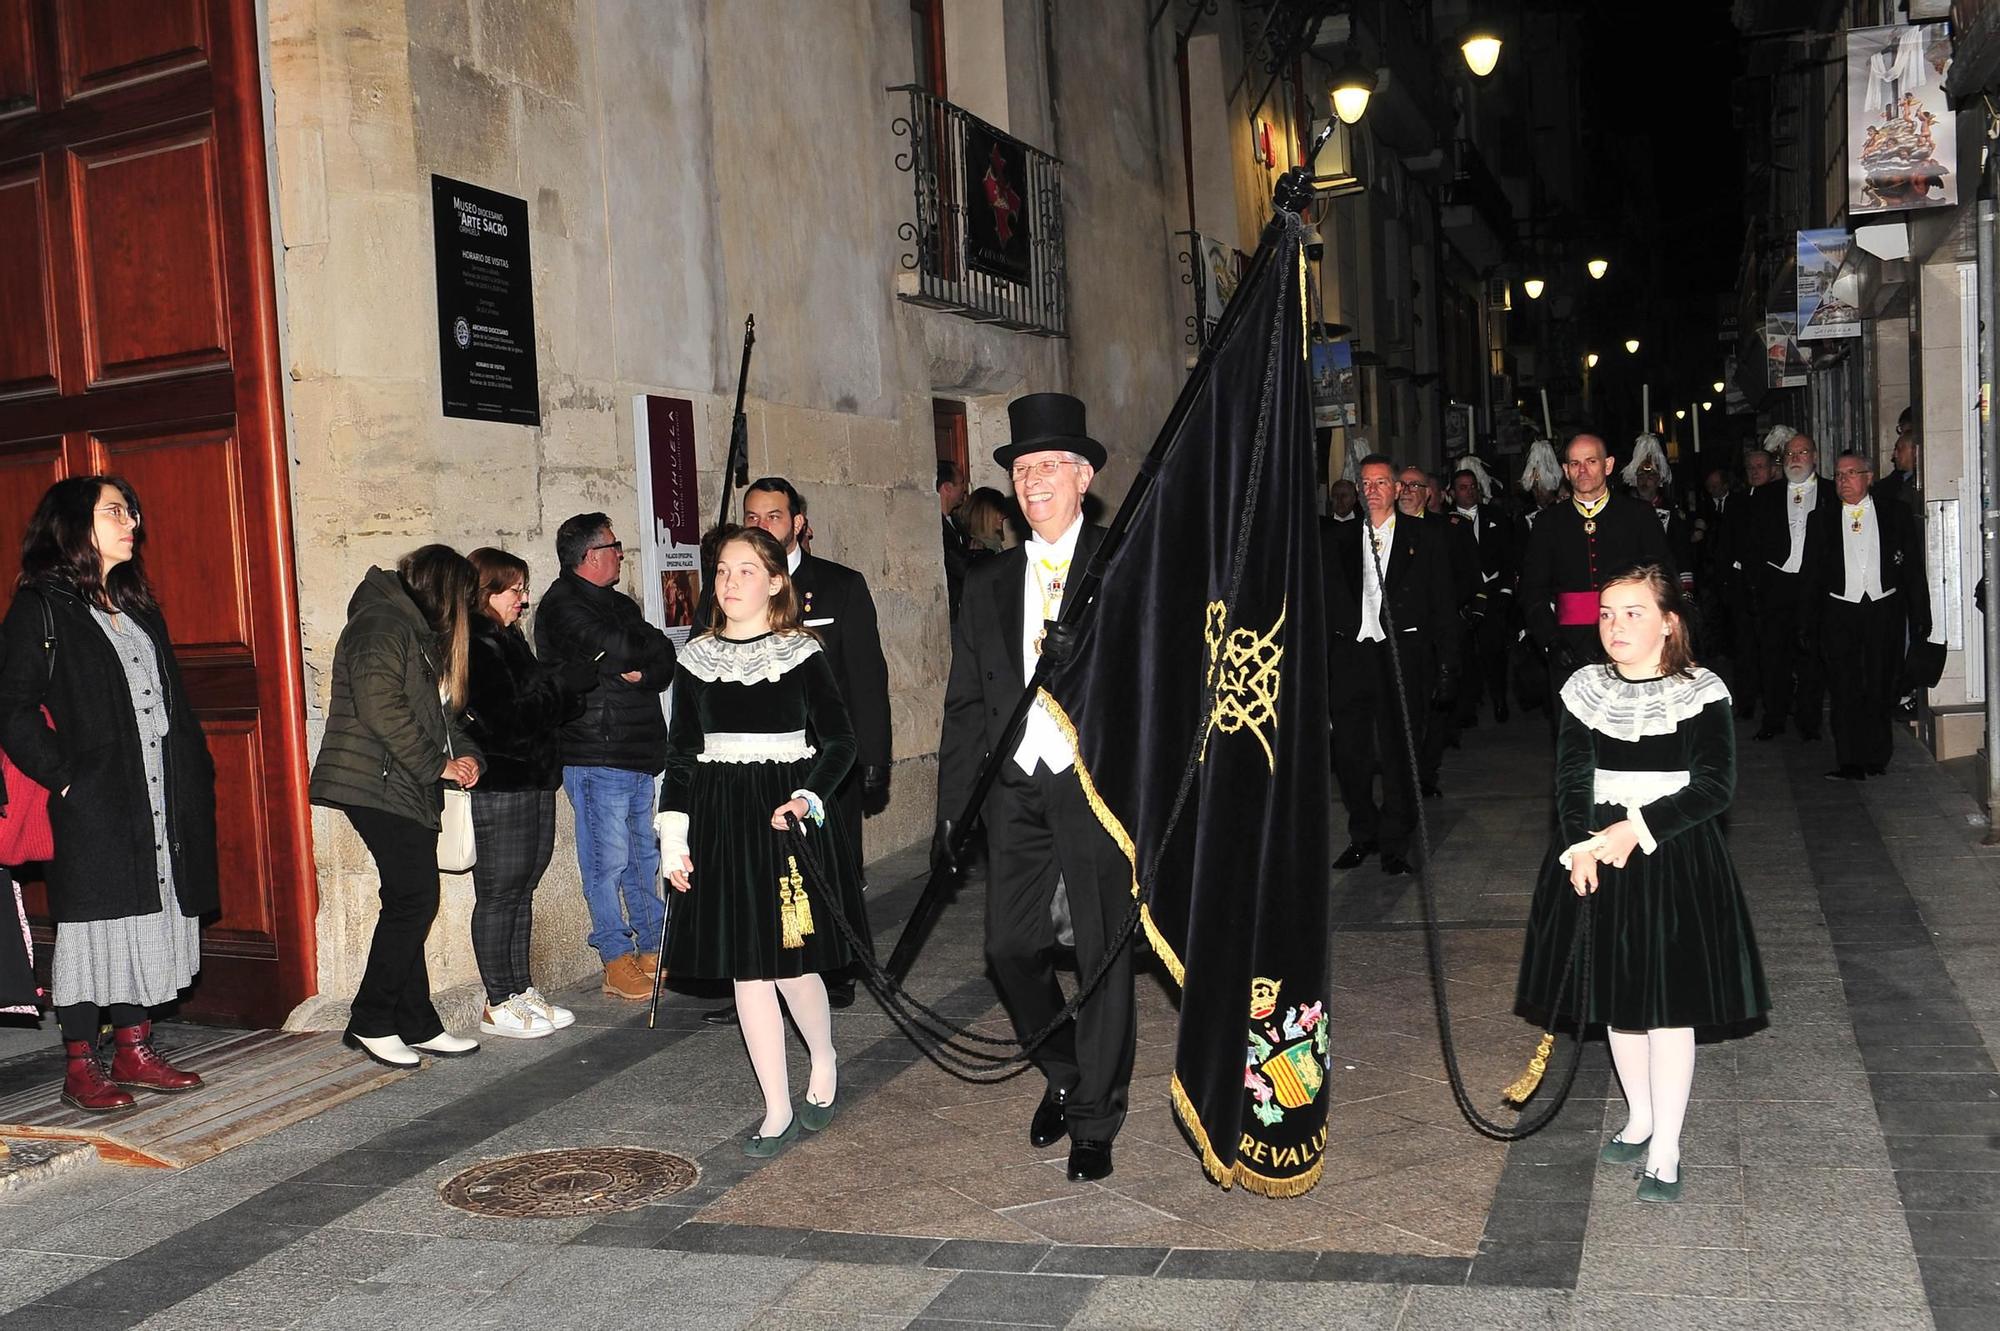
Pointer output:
x,y
485,303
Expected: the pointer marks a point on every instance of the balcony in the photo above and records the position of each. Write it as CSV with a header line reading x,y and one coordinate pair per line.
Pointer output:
x,y
986,237
1476,214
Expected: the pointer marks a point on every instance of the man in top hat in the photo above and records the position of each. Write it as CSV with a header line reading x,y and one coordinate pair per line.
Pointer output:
x,y
1038,824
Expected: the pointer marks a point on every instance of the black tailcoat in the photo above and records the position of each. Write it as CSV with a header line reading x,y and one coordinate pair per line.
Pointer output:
x,y
1863,644
1789,673
1561,556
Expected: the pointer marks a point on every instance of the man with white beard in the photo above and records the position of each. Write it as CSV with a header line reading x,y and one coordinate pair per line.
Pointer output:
x,y
1776,561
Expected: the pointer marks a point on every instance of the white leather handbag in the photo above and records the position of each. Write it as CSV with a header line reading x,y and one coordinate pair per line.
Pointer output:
x,y
456,853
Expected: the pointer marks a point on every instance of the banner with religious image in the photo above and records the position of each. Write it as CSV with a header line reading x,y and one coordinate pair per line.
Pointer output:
x,y
1829,285
1902,141
669,512
997,204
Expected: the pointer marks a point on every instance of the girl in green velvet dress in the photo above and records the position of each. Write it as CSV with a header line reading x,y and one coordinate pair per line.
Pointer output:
x,y
759,731
1645,767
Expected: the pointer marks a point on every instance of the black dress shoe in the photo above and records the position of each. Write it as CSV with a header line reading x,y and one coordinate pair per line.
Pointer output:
x,y
722,1016
1848,773
1089,1161
840,993
1768,732
1051,1121
1394,865
1354,854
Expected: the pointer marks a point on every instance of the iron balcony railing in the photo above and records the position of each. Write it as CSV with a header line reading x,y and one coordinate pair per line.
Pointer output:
x,y
986,240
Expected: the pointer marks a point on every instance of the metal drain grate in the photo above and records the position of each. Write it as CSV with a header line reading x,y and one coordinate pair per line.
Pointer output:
x,y
587,1180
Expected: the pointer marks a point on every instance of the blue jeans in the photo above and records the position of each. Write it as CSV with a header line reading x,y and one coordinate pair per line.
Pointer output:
x,y
619,858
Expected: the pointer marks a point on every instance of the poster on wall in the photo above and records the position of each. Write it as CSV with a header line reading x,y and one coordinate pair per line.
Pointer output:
x,y
1333,388
485,304
997,235
1902,141
669,509
1829,285
1786,362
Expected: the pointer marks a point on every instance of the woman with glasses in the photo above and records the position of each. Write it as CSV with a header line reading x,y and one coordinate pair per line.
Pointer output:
x,y
92,707
393,739
514,705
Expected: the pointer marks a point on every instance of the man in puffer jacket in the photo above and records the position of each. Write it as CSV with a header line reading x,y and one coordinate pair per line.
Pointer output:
x,y
613,751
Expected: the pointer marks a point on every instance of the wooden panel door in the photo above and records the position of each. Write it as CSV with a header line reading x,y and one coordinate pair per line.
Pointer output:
x,y
139,337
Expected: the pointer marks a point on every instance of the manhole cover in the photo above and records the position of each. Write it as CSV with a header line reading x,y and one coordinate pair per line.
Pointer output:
x,y
544,1185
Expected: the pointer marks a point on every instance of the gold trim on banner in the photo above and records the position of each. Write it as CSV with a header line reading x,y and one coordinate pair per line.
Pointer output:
x,y
1244,673
1226,1175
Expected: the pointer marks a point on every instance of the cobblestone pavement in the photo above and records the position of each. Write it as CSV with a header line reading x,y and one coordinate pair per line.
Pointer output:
x,y
1843,1164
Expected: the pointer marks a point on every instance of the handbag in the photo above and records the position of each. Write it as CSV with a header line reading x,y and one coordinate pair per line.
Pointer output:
x,y
25,834
456,852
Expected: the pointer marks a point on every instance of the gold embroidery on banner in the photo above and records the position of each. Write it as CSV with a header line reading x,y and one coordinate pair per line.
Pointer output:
x,y
795,917
1244,675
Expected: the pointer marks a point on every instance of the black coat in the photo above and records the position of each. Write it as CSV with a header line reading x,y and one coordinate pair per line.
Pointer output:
x,y
1559,557
513,707
986,680
1495,538
1422,587
621,724
1901,571
105,866
834,603
1767,533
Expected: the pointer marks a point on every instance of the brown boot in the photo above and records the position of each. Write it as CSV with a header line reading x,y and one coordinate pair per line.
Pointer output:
x,y
135,1063
649,962
624,977
85,1087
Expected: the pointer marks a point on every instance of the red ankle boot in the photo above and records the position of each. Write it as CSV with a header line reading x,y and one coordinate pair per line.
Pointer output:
x,y
85,1086
135,1063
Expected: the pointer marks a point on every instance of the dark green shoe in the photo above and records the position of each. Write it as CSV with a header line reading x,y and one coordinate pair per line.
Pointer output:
x,y
763,1148
1618,1152
817,1116
1653,1188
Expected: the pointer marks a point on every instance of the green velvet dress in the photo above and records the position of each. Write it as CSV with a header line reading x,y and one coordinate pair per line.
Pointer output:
x,y
755,721
1672,934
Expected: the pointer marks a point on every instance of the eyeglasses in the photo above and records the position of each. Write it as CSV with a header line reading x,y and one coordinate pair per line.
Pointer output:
x,y
1861,472
1043,470
1415,485
120,513
619,546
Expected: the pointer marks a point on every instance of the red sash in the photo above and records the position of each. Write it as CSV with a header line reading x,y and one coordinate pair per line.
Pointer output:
x,y
1576,608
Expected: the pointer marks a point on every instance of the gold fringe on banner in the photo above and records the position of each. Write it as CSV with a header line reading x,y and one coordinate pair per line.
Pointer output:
x,y
794,909
1525,1085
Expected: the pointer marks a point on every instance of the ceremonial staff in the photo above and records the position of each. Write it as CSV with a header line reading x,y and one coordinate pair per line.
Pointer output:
x,y
736,467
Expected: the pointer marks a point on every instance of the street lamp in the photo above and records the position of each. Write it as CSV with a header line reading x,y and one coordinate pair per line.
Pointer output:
x,y
1533,286
1708,406
1680,413
1631,346
1481,47
1352,86
1590,360
1717,385
1598,268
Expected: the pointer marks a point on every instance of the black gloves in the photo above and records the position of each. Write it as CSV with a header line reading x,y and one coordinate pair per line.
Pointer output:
x,y
1562,658
942,859
874,789
578,676
1444,693
1058,642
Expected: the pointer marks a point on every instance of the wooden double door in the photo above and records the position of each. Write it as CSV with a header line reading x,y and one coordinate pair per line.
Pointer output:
x,y
138,336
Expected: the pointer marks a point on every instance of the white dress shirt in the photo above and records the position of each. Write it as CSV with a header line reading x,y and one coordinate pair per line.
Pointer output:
x,y
1471,515
1861,552
1798,507
793,557
1371,584
1042,739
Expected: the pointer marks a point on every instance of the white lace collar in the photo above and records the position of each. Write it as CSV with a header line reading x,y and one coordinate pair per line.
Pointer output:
x,y
765,658
1626,709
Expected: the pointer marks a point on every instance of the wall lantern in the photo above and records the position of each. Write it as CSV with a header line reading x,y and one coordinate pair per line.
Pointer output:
x,y
1481,45
1598,268
1590,361
1352,86
1533,286
1632,346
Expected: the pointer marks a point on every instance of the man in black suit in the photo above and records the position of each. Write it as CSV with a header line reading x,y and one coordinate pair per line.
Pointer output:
x,y
1774,559
1739,588
952,536
1492,607
1386,573
1865,572
1039,826
833,602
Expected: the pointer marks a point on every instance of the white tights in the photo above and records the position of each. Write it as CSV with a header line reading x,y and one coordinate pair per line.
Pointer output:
x,y
1656,1070
763,1026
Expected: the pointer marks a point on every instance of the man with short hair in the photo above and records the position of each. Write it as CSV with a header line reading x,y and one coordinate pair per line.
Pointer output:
x,y
834,602
1573,548
951,493
612,752
1491,610
1039,824
1776,558
1416,500
1900,485
1389,572
1739,594
1868,598
1342,501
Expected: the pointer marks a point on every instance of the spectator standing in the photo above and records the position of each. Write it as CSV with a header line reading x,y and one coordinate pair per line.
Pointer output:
x,y
611,751
1900,485
951,497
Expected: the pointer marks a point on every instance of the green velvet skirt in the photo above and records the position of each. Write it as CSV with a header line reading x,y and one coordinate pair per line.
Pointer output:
x,y
1672,938
731,922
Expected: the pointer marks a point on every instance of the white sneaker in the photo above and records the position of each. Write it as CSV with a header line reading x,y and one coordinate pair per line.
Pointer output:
x,y
555,1014
447,1045
515,1020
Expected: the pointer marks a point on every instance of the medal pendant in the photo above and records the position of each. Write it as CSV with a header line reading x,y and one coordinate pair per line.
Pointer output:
x,y
1799,498
1856,526
1590,526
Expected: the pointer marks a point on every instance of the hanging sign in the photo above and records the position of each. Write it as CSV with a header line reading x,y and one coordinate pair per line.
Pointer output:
x,y
1902,141
1828,284
485,304
668,511
997,236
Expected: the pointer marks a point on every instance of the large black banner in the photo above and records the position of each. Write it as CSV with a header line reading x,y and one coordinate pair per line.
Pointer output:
x,y
486,304
1197,700
998,239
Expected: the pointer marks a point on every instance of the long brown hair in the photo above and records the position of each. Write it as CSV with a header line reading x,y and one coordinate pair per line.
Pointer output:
x,y
784,603
443,582
61,544
498,570
1677,651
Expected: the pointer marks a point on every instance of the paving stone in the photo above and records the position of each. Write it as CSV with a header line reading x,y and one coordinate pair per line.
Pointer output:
x,y
1708,1272
1019,1300
1434,1308
1166,1305
885,1291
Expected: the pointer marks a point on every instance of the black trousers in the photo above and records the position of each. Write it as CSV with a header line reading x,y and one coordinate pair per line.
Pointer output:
x,y
1789,675
1368,734
85,1021
515,833
1863,648
395,993
1747,643
1039,827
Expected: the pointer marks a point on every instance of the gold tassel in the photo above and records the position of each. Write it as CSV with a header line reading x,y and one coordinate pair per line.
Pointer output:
x,y
794,910
1525,1086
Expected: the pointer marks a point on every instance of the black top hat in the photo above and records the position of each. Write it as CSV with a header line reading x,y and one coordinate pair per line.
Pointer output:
x,y
1042,422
